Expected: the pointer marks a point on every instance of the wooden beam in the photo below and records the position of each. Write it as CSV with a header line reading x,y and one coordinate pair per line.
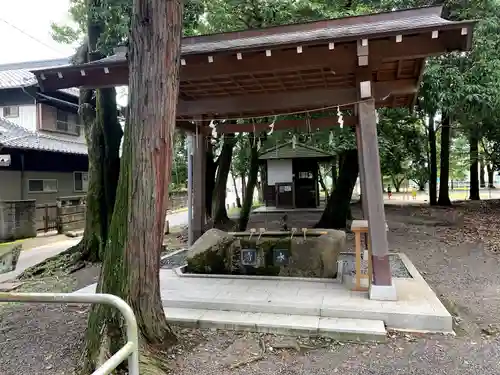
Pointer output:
x,y
317,123
283,101
341,60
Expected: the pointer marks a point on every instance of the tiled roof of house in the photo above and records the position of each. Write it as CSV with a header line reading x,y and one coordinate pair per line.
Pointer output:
x,y
287,151
19,75
15,136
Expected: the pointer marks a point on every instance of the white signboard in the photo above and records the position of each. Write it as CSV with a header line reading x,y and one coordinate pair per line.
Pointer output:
x,y
4,160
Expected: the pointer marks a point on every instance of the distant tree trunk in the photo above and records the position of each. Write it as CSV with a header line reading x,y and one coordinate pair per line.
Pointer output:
x,y
432,161
474,165
444,196
235,186
482,180
132,258
322,183
337,208
250,186
243,186
210,175
335,161
491,182
219,211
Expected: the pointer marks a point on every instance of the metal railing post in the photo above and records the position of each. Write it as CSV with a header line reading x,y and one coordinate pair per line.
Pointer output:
x,y
131,348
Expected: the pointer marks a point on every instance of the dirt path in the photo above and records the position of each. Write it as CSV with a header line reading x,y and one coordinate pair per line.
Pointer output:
x,y
454,250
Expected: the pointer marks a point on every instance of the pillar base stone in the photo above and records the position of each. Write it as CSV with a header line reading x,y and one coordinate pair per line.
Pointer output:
x,y
383,292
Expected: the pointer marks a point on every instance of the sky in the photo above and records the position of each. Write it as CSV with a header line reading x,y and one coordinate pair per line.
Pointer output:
x,y
25,30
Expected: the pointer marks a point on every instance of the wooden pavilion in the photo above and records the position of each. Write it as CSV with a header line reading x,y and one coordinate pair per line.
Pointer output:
x,y
358,63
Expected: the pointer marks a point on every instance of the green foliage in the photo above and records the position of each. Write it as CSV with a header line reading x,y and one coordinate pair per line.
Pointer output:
x,y
403,146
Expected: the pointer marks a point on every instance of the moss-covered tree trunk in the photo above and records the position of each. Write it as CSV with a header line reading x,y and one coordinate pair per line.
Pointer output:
x,y
338,206
444,194
219,211
482,175
132,257
474,165
432,161
250,185
103,135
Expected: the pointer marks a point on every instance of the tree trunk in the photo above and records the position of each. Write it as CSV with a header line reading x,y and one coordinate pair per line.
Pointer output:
x,y
432,161
250,186
238,200
474,165
337,208
482,180
103,134
491,182
211,171
322,183
219,211
243,186
132,258
334,171
444,196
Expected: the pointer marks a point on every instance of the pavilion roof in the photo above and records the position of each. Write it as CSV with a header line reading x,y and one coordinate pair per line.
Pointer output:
x,y
293,68
298,151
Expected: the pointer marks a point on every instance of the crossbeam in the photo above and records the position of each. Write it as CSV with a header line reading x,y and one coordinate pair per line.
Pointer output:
x,y
272,103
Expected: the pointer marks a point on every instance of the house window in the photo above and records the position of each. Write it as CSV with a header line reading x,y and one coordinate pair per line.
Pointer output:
x,y
62,121
11,111
81,180
305,175
42,186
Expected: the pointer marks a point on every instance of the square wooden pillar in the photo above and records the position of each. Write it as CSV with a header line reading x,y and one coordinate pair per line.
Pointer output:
x,y
199,182
382,287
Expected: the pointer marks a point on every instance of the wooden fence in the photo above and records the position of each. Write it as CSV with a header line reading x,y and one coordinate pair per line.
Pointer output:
x,y
68,213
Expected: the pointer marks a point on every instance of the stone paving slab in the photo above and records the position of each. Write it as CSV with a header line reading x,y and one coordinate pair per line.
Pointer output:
x,y
284,324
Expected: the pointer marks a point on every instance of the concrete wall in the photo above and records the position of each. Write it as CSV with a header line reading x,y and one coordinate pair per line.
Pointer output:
x,y
12,188
279,170
27,116
17,219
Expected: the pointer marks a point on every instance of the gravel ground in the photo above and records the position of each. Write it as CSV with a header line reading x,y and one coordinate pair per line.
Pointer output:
x,y
453,249
174,260
398,268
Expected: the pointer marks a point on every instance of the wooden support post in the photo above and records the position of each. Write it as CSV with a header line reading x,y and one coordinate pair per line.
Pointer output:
x,y
199,176
374,195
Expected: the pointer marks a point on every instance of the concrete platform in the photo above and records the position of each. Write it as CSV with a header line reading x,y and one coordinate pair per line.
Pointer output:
x,y
361,330
417,308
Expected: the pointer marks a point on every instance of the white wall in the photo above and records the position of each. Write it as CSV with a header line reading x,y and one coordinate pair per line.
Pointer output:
x,y
279,171
26,118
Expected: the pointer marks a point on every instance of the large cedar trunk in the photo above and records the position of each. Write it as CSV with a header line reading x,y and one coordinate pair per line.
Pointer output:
x,y
474,165
432,161
219,216
337,210
491,183
250,186
444,196
132,259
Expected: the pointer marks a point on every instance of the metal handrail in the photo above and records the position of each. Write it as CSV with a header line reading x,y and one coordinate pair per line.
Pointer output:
x,y
131,348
